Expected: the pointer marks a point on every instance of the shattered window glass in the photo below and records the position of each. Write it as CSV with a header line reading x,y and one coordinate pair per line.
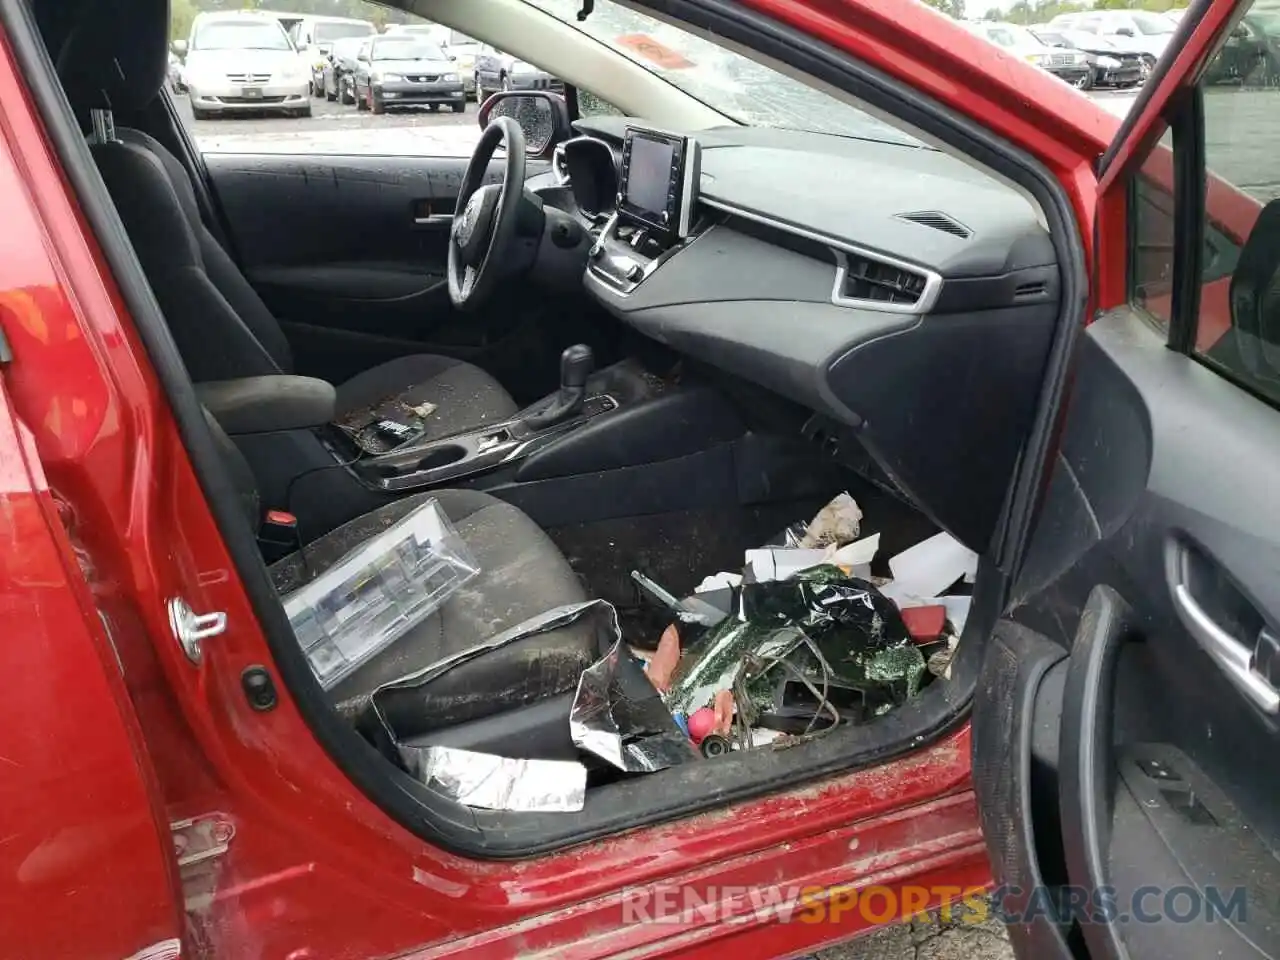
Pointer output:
x,y
728,82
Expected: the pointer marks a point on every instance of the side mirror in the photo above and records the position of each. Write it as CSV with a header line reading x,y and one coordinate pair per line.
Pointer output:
x,y
543,118
1124,32
1254,322
453,56
179,47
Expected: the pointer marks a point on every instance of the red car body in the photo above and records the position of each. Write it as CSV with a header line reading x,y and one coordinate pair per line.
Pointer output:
x,y
151,813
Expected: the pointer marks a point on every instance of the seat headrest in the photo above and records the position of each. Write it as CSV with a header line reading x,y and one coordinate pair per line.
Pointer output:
x,y
116,56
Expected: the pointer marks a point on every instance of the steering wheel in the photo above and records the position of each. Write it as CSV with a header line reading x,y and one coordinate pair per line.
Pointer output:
x,y
484,228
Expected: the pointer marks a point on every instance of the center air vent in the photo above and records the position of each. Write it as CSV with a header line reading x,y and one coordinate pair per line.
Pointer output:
x,y
878,282
938,221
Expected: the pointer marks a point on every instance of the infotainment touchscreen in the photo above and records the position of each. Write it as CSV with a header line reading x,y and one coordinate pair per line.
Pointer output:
x,y
659,171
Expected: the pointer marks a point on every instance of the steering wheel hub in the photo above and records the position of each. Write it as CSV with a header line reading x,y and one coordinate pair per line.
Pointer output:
x,y
473,229
484,231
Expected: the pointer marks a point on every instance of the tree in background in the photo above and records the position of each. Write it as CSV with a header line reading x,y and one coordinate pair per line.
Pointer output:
x,y
1041,11
183,12
954,8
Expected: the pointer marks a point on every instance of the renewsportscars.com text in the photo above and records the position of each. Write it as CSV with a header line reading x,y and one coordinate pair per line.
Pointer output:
x,y
876,905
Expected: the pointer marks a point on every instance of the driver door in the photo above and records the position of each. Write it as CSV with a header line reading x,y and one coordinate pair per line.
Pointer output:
x,y
1128,719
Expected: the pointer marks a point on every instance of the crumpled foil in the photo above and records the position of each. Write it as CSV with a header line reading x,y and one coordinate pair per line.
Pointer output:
x,y
499,783
619,716
617,713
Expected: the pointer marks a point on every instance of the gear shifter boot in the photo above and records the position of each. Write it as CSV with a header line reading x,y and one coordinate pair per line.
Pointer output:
x,y
576,364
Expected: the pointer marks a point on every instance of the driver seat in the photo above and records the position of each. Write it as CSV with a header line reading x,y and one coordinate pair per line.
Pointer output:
x,y
116,57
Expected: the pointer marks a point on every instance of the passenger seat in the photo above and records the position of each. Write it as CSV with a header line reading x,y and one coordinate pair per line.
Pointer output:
x,y
522,574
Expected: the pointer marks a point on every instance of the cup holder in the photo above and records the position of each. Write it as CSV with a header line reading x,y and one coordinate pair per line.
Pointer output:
x,y
442,456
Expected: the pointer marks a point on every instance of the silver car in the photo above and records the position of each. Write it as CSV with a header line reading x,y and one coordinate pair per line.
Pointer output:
x,y
403,71
243,62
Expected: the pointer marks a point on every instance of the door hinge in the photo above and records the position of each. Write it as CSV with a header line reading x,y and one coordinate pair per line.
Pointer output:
x,y
199,846
201,838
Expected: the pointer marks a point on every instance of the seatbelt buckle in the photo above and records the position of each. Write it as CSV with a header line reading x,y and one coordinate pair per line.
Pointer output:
x,y
278,535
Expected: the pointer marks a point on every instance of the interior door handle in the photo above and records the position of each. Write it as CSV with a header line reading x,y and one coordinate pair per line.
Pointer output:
x,y
1235,659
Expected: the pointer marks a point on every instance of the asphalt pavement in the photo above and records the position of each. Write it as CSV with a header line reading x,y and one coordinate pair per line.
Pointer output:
x,y
335,128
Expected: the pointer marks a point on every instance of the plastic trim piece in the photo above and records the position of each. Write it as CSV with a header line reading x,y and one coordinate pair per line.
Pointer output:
x,y
1087,762
560,170
1189,179
840,249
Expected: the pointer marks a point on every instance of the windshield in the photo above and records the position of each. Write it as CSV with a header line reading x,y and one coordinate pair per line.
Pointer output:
x,y
1080,39
731,84
240,35
326,32
1151,24
1083,39
347,46
1268,21
1004,37
410,48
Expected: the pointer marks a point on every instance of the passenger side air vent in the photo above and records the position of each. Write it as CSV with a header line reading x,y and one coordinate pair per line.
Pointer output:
x,y
872,280
938,221
1030,291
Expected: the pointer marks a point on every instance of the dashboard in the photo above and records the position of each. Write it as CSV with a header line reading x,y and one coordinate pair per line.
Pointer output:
x,y
871,282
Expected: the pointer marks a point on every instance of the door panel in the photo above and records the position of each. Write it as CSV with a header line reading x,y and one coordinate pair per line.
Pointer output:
x,y
349,253
1162,517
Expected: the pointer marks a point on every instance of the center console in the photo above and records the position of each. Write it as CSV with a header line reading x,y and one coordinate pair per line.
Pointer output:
x,y
655,205
414,465
393,455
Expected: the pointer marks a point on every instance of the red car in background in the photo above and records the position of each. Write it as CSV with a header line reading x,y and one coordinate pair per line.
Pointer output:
x,y
176,781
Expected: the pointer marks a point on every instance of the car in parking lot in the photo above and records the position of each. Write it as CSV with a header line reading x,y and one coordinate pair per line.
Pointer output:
x,y
495,70
337,79
461,49
315,36
1113,65
175,74
1251,53
1071,66
402,71
1148,32
243,62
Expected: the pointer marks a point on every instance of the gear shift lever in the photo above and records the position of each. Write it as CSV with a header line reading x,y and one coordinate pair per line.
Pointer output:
x,y
576,364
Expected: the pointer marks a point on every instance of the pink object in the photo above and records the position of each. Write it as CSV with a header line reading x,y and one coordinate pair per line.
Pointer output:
x,y
701,722
665,659
723,710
